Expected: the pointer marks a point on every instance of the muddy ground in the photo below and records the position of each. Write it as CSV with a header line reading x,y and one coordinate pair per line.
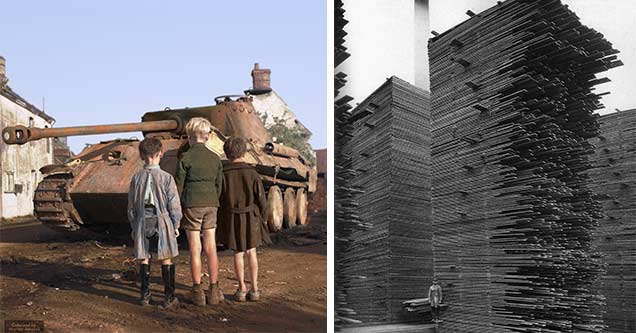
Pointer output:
x,y
76,284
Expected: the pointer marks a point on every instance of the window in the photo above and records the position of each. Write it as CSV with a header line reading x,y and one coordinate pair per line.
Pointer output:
x,y
8,185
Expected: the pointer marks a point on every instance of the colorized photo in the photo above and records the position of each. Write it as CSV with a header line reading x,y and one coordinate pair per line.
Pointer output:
x,y
163,167
485,169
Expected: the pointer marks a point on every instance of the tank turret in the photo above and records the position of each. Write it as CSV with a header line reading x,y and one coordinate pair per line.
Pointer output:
x,y
90,190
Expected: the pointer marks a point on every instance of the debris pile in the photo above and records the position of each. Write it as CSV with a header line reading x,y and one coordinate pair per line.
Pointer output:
x,y
389,257
614,176
513,213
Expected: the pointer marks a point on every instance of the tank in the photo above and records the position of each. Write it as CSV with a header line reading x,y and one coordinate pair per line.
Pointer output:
x,y
90,191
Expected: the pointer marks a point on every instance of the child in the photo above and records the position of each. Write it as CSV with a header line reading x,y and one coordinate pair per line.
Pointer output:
x,y
435,298
199,179
242,214
154,213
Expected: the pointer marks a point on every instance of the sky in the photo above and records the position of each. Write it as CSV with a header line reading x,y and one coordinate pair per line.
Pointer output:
x,y
615,19
101,62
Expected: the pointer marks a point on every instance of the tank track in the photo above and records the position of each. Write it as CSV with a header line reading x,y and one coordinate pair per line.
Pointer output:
x,y
52,203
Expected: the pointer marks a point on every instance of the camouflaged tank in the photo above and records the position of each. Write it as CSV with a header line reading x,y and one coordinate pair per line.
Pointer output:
x,y
91,189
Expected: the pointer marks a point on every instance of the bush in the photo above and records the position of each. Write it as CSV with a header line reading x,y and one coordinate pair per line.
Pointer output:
x,y
296,137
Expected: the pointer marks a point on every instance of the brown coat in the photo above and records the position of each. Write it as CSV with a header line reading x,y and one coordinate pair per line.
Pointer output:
x,y
243,209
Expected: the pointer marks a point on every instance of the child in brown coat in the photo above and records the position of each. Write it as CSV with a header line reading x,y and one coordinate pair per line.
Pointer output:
x,y
242,214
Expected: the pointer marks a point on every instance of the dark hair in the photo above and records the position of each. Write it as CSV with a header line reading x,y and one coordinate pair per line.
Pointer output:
x,y
149,147
234,147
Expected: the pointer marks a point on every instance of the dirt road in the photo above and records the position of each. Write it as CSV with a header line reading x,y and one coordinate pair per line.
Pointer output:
x,y
84,285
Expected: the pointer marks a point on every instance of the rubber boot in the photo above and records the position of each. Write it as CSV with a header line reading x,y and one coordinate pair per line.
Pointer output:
x,y
215,295
144,279
168,273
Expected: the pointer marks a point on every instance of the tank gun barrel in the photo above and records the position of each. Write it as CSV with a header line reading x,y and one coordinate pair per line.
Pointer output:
x,y
21,134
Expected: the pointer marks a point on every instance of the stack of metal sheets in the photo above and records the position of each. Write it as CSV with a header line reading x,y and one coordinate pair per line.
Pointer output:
x,y
389,258
614,176
513,215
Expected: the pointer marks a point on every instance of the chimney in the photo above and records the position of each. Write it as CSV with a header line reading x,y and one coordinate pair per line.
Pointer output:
x,y
3,73
260,80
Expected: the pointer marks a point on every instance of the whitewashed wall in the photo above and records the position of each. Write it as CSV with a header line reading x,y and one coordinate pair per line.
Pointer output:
x,y
274,106
24,161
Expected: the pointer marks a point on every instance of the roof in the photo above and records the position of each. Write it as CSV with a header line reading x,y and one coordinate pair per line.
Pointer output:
x,y
7,92
321,160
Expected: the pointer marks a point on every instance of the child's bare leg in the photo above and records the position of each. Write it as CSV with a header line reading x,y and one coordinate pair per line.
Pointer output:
x,y
166,261
253,263
239,269
209,246
143,261
194,242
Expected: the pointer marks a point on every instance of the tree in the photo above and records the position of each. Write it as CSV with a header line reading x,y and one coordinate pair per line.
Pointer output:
x,y
296,137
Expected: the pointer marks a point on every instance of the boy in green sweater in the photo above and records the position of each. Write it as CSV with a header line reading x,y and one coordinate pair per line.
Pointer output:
x,y
199,179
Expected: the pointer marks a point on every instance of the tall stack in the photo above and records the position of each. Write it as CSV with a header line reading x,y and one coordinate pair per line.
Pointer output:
x,y
513,214
345,213
390,258
614,176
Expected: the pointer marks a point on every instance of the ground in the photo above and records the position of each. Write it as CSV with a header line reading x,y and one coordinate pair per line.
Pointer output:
x,y
80,284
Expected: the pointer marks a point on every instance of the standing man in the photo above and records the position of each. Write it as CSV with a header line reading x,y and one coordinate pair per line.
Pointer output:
x,y
199,179
435,298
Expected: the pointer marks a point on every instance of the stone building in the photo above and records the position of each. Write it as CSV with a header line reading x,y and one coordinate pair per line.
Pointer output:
x,y
62,151
19,165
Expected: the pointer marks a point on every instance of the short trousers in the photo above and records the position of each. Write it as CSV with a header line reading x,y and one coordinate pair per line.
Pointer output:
x,y
153,244
151,222
199,218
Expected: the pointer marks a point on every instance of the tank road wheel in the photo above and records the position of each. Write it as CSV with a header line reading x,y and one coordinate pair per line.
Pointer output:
x,y
301,206
289,211
275,211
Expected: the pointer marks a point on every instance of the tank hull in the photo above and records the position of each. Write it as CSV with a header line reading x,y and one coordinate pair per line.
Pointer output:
x,y
92,189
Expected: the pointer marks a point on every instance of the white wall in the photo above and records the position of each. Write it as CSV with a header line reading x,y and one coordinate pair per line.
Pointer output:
x,y
385,38
274,106
24,161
